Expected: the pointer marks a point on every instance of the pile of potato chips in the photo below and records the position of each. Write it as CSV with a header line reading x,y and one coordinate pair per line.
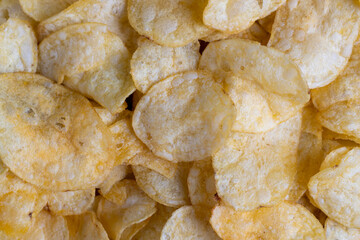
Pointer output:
x,y
179,119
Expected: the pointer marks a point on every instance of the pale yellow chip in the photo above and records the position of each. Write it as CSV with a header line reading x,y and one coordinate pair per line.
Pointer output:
x,y
335,188
267,22
332,141
307,203
185,117
120,220
110,83
106,116
189,222
317,35
253,170
18,47
172,192
173,23
52,137
118,173
117,194
85,227
201,184
152,231
282,222
265,85
152,62
237,15
12,9
336,231
43,9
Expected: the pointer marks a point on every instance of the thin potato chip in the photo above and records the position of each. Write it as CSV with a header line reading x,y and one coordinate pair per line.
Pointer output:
x,y
237,15
117,193
131,231
106,116
151,62
305,201
254,170
118,173
174,23
43,9
190,223
317,35
336,231
344,139
171,192
185,117
18,51
86,227
266,87
12,9
50,136
335,189
286,221
334,158
267,22
116,219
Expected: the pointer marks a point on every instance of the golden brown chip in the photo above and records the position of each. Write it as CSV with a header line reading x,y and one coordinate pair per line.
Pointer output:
x,y
189,222
118,173
117,219
317,35
171,192
253,170
18,51
52,137
12,9
185,117
151,62
173,23
284,221
336,231
266,87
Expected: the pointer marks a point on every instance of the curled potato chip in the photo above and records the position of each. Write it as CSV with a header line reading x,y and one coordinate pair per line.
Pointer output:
x,y
237,15
151,62
188,222
171,192
253,170
106,116
117,173
172,23
334,189
117,219
43,9
336,231
266,87
332,141
117,193
85,227
18,51
201,184
284,221
317,35
152,231
184,117
307,203
12,9
51,137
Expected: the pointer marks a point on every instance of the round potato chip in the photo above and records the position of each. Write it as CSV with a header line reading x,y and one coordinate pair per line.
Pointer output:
x,y
317,35
185,117
336,231
189,222
12,9
151,62
52,137
18,51
171,192
254,170
266,87
173,23
237,15
334,189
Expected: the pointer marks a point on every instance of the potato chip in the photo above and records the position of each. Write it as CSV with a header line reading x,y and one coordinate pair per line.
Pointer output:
x,y
317,35
253,170
12,9
334,189
43,9
172,192
334,158
189,222
344,139
51,137
117,193
85,227
117,173
151,62
336,231
201,184
113,13
267,22
266,87
305,201
332,141
137,95
131,231
172,23
237,15
116,219
184,117
18,51
284,221
152,231
106,116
